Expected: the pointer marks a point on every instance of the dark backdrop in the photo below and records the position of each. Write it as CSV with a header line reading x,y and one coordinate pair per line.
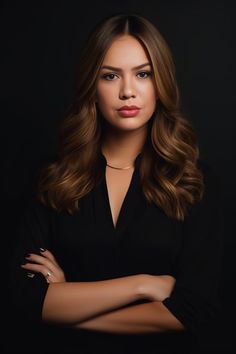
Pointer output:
x,y
40,43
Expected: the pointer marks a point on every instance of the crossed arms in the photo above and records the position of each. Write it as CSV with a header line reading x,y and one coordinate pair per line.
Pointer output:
x,y
105,305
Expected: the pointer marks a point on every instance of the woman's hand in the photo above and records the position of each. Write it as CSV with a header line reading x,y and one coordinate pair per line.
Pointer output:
x,y
157,287
46,264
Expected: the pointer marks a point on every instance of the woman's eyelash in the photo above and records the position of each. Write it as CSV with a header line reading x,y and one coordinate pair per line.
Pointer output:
x,y
148,73
106,76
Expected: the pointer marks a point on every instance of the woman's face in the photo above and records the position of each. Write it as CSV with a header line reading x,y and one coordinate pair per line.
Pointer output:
x,y
125,79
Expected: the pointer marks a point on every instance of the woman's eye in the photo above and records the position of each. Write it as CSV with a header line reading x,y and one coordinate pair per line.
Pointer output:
x,y
144,74
109,77
112,77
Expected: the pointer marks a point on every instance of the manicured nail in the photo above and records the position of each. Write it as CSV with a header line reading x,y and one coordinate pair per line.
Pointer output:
x,y
30,275
42,249
27,255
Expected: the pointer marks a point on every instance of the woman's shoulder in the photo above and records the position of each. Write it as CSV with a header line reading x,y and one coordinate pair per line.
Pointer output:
x,y
211,174
212,192
34,210
32,204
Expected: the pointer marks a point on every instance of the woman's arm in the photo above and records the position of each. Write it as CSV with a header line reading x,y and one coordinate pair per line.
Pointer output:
x,y
73,302
144,318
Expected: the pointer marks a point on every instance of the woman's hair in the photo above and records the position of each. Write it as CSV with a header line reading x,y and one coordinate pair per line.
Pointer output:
x,y
169,172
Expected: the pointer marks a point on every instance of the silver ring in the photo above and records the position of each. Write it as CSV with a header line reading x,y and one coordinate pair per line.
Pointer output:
x,y
48,274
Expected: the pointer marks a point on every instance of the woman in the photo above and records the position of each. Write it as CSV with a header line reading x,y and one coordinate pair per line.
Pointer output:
x,y
124,236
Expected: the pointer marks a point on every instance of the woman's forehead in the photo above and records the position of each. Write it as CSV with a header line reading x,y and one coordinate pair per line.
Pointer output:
x,y
125,51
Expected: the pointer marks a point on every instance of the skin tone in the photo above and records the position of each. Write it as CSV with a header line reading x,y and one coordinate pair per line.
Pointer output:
x,y
125,79
74,303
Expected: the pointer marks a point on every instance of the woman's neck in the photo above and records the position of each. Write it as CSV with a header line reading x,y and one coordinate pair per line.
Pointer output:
x,y
121,148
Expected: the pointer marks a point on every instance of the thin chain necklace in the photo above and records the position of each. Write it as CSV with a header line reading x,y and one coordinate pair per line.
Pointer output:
x,y
120,168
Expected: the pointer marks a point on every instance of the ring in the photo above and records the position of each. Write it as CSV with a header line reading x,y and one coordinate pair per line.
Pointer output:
x,y
48,274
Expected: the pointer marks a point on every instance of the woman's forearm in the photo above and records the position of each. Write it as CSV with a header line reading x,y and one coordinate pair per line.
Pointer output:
x,y
73,302
69,303
144,318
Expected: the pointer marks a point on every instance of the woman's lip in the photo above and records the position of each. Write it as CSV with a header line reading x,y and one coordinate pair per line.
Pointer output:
x,y
128,107
128,112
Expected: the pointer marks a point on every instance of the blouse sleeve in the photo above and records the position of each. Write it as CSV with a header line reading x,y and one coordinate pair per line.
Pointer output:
x,y
27,294
195,300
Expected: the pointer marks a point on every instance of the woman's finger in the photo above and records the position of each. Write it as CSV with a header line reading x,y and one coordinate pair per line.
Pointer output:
x,y
30,275
47,254
49,275
38,268
47,263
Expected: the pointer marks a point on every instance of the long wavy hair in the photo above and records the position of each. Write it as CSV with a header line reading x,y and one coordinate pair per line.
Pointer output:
x,y
169,173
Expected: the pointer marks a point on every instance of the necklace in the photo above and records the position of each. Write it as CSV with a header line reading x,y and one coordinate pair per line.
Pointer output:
x,y
119,168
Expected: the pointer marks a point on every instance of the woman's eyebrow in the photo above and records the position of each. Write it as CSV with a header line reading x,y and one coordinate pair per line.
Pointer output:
x,y
119,69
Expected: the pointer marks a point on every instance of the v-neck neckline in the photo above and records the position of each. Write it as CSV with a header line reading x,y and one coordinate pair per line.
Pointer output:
x,y
125,212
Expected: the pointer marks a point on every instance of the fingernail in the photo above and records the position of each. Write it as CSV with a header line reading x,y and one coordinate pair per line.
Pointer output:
x,y
30,275
27,255
42,249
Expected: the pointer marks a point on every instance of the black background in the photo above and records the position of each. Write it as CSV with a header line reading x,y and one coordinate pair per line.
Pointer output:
x,y
40,42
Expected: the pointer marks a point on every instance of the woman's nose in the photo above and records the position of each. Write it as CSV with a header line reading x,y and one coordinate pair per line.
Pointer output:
x,y
127,89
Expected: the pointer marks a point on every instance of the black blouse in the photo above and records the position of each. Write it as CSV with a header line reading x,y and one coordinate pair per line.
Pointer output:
x,y
89,248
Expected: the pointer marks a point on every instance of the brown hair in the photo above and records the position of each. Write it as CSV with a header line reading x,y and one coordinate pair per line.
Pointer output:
x,y
169,172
